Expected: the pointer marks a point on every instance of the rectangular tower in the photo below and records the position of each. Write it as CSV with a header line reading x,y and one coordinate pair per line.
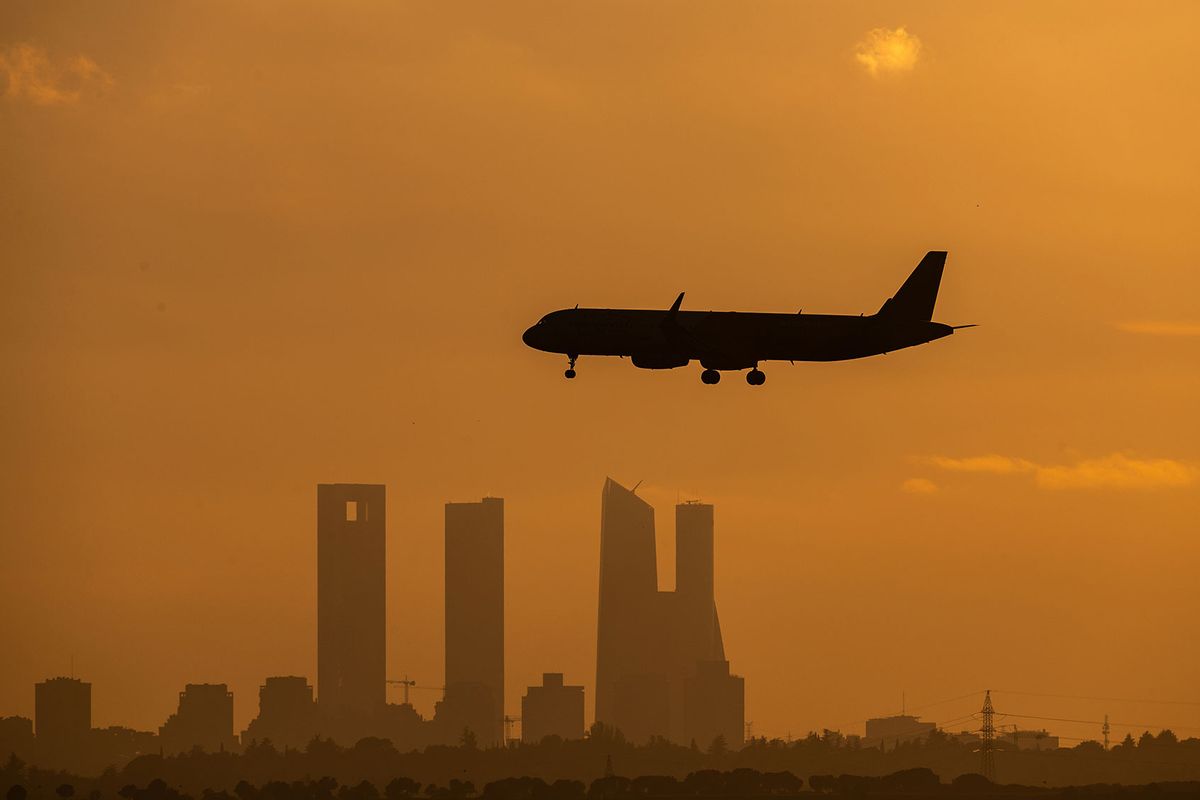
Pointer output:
x,y
699,630
475,611
351,583
62,710
631,643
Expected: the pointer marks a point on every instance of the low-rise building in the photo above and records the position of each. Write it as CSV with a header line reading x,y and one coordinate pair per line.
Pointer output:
x,y
552,709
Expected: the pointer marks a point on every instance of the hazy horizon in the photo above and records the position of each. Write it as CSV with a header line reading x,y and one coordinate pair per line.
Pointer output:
x,y
254,248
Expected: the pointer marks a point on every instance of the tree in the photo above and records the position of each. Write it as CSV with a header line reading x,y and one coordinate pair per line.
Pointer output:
x,y
13,769
16,792
704,782
65,791
916,779
374,747
611,787
654,785
1166,737
781,783
322,747
322,789
972,783
605,733
719,746
822,783
364,790
564,789
399,788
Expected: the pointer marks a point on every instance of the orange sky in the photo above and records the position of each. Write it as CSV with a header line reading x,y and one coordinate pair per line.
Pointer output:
x,y
247,248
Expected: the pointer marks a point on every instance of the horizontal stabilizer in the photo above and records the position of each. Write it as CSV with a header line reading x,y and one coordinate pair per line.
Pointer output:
x,y
915,299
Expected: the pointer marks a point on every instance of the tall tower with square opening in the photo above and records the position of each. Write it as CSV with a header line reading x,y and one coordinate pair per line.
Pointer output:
x,y
351,585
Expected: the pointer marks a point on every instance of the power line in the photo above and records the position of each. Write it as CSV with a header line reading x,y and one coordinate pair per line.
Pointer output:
x,y
1142,725
1106,699
975,693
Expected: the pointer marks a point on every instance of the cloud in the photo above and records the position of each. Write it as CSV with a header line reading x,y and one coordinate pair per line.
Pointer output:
x,y
1119,471
885,50
1115,471
919,486
1161,328
999,465
32,76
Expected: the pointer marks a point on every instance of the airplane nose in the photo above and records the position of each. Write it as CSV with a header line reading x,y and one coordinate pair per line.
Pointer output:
x,y
529,337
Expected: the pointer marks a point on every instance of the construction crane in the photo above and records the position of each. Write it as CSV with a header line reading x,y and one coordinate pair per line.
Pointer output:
x,y
508,727
406,683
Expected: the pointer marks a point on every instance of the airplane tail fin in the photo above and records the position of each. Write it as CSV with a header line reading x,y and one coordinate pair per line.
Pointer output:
x,y
915,299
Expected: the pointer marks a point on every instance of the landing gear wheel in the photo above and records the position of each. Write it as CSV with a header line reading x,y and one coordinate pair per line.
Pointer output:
x,y
710,376
756,377
570,373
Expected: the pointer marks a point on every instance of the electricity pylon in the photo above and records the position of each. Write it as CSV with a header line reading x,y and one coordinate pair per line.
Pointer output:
x,y
988,739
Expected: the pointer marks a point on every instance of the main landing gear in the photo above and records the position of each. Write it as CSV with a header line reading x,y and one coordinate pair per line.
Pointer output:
x,y
755,377
570,373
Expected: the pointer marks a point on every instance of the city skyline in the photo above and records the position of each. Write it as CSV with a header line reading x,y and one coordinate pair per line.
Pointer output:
x,y
675,636
687,680
246,252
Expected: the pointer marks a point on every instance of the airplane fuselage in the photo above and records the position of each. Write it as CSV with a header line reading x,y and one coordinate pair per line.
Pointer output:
x,y
735,340
724,340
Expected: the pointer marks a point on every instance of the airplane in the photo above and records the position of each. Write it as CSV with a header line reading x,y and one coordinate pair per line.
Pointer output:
x,y
735,341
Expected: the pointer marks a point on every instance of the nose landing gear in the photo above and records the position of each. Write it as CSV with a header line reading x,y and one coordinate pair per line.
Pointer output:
x,y
570,372
756,377
710,377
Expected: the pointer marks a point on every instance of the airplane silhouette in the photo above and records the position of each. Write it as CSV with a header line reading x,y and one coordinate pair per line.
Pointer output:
x,y
732,340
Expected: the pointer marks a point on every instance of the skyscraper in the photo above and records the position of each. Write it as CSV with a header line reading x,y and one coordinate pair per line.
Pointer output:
x,y
475,615
62,710
351,679
626,637
651,644
700,631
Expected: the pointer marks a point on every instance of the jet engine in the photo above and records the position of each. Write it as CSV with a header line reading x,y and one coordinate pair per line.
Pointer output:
x,y
660,361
